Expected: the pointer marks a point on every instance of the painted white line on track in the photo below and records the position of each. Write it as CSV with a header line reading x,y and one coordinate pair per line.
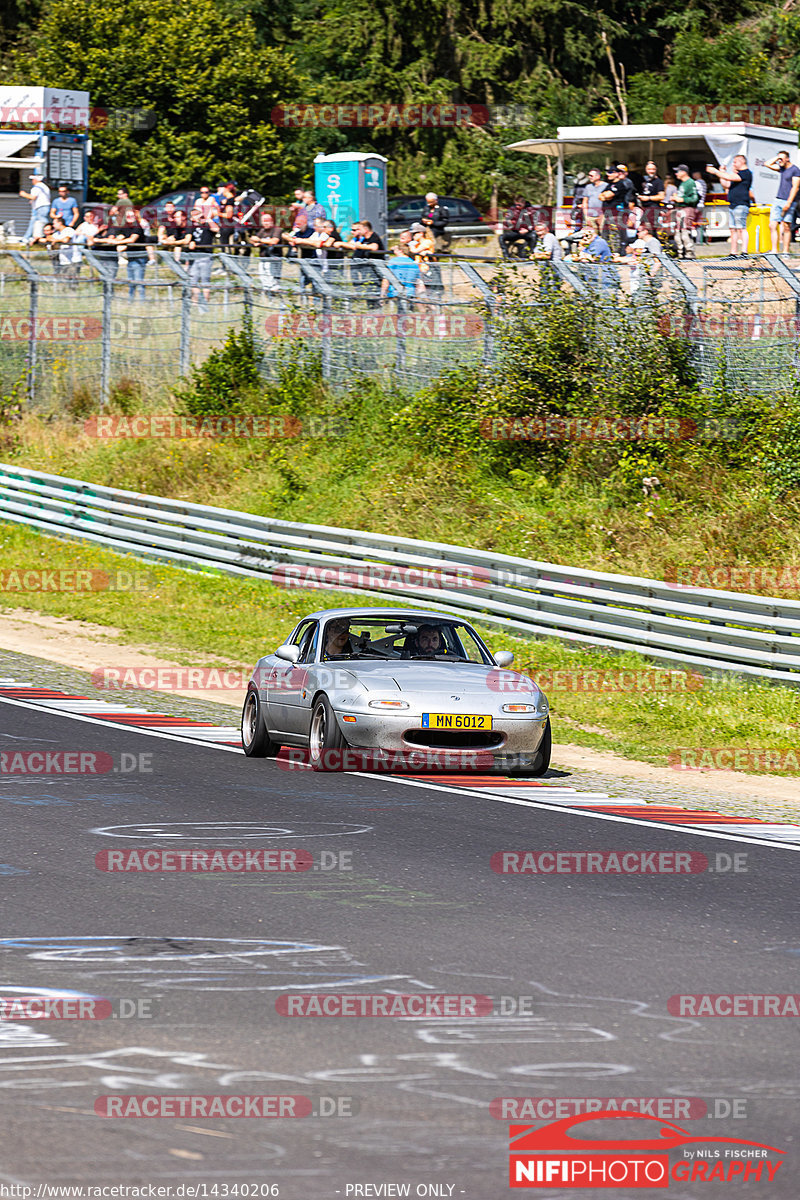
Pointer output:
x,y
72,716
452,790
580,812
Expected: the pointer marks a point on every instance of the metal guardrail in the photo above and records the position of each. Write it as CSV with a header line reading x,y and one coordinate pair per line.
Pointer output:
x,y
706,629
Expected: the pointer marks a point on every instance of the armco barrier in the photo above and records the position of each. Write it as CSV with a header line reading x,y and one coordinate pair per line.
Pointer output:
x,y
727,631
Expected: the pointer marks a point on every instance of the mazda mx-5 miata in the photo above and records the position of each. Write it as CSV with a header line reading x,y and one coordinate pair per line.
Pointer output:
x,y
390,680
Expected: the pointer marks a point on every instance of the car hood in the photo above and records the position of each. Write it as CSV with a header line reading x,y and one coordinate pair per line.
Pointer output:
x,y
464,678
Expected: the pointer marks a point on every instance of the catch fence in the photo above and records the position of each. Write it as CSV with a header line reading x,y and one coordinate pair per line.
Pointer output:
x,y
73,332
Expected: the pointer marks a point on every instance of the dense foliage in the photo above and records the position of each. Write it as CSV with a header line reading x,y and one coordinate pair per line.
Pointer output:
x,y
213,70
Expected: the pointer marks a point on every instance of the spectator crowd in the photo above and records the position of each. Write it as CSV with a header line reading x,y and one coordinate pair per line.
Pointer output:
x,y
242,225
621,209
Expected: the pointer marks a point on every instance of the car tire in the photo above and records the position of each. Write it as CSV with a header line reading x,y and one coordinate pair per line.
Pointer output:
x,y
256,742
541,763
324,735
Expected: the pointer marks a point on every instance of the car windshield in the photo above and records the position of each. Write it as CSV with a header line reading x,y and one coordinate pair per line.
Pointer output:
x,y
393,638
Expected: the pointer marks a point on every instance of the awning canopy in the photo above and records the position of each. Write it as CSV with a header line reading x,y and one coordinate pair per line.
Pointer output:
x,y
10,146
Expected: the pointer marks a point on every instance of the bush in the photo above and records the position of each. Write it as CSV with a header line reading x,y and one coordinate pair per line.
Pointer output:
x,y
227,380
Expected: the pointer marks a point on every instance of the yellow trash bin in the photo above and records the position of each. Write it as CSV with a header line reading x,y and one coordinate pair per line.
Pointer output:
x,y
758,239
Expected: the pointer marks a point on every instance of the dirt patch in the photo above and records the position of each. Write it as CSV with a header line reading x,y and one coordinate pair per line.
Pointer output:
x,y
88,647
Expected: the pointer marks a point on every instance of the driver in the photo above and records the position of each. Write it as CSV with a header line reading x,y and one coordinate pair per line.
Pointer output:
x,y
429,640
337,638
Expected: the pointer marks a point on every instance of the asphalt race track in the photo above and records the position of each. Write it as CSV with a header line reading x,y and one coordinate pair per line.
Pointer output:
x,y
401,898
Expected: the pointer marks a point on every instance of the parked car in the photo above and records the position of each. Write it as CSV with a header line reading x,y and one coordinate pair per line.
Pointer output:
x,y
405,210
464,217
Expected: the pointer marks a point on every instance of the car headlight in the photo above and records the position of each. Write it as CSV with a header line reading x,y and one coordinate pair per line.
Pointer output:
x,y
519,708
388,704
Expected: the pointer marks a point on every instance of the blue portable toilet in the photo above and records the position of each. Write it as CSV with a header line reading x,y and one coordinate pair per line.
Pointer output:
x,y
352,187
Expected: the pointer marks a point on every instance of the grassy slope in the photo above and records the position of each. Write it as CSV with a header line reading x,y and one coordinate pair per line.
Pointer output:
x,y
373,478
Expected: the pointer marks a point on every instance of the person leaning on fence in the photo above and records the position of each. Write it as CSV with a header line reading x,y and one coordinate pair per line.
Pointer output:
x,y
200,248
518,226
738,180
68,257
685,203
366,247
268,241
107,241
88,230
133,244
403,265
781,217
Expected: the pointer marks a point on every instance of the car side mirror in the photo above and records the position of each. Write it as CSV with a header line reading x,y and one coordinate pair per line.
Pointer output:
x,y
504,658
288,653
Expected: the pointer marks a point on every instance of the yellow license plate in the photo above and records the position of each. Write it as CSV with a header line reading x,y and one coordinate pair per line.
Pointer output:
x,y
455,721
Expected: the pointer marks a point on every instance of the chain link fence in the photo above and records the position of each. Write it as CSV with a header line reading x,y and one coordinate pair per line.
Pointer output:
x,y
76,330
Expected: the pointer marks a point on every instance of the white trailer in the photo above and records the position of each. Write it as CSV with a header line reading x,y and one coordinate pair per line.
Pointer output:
x,y
697,144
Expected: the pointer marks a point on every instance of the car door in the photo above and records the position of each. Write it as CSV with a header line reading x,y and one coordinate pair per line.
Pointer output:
x,y
287,683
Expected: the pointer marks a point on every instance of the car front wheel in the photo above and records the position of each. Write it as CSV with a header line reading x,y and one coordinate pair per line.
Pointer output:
x,y
324,736
256,742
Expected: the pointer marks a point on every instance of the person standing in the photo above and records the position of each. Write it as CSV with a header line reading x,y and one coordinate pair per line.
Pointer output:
x,y
738,180
617,196
201,245
781,218
685,202
435,218
651,195
39,197
268,240
134,244
592,204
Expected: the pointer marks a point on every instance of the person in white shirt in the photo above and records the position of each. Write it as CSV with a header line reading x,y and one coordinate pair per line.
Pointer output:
x,y
87,231
547,245
39,196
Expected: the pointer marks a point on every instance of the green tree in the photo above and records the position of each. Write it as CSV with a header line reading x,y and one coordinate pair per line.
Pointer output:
x,y
210,84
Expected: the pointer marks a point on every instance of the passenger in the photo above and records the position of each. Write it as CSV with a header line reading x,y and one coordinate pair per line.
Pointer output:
x,y
337,639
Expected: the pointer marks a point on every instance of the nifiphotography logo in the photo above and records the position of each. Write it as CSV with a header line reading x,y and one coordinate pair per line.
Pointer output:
x,y
551,1157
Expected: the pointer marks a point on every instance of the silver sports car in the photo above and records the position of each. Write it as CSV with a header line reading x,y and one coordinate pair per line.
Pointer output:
x,y
378,679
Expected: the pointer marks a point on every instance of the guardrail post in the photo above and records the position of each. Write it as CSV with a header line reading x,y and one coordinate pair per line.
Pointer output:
x,y
105,359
